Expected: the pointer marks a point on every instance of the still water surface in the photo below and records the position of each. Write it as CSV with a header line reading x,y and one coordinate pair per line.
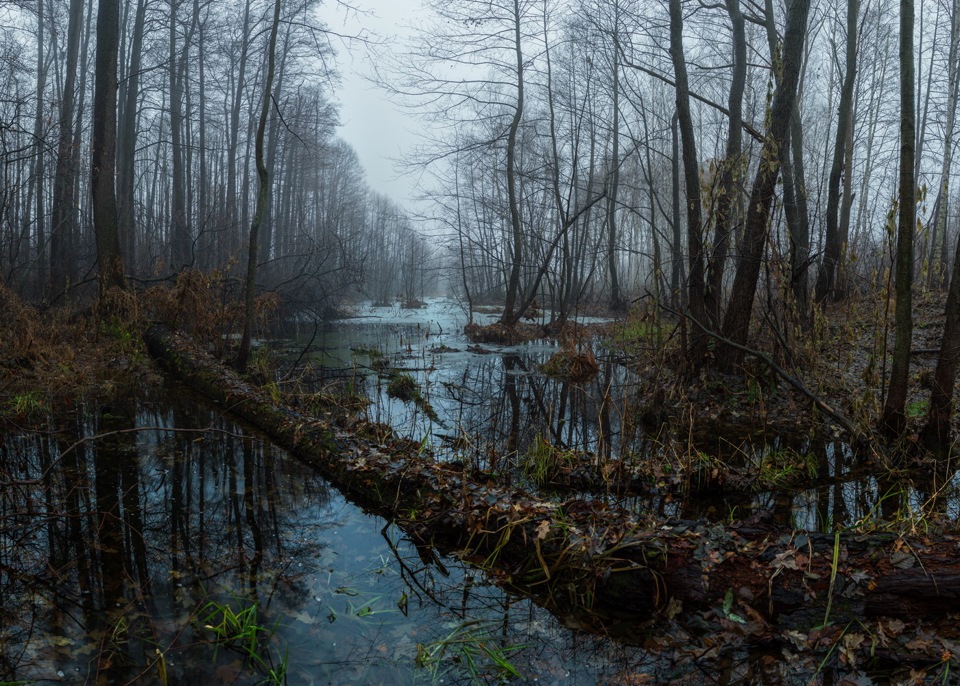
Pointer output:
x,y
120,549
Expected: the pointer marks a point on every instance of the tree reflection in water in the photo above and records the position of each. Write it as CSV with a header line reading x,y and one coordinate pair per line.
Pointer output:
x,y
121,522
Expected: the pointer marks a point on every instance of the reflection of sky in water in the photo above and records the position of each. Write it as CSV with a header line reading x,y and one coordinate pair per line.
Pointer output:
x,y
474,388
210,512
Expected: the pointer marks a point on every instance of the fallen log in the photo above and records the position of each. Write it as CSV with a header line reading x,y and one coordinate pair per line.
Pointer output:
x,y
581,557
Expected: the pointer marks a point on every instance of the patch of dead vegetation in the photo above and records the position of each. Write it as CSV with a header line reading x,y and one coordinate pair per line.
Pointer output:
x,y
50,358
523,332
53,357
843,358
205,305
571,363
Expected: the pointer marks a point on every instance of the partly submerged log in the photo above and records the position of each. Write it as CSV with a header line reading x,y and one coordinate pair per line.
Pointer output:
x,y
585,555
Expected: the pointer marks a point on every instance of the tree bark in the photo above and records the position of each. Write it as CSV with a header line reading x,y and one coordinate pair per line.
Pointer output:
x,y
127,141
207,258
231,233
36,252
516,227
617,301
250,283
676,252
936,431
103,152
736,324
63,226
696,285
829,279
893,418
181,245
799,221
730,171
938,233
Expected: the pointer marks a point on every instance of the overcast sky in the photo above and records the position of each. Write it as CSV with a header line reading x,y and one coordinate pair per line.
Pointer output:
x,y
377,129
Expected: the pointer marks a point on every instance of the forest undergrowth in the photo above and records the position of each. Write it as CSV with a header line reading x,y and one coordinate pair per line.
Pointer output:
x,y
53,357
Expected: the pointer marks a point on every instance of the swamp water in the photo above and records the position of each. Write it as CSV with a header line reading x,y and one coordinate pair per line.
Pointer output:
x,y
178,547
138,556
491,407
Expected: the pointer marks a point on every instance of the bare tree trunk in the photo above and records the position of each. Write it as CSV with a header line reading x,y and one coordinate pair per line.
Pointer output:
x,y
37,180
893,419
936,432
262,197
676,255
513,282
730,171
617,302
203,176
268,241
63,227
181,247
691,168
127,141
179,238
829,279
736,324
565,287
232,200
460,232
938,234
800,222
652,199
103,152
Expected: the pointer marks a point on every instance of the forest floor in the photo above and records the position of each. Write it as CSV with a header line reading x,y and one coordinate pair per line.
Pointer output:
x,y
52,359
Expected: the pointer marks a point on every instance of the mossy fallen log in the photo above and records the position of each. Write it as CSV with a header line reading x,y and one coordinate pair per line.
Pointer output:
x,y
584,558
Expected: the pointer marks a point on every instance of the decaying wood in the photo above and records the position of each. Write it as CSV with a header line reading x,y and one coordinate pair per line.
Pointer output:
x,y
586,555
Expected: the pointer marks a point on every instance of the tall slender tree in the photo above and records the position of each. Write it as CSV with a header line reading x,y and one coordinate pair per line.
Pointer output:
x,y
730,173
63,225
829,278
516,223
127,139
103,149
936,257
736,323
893,418
696,284
263,177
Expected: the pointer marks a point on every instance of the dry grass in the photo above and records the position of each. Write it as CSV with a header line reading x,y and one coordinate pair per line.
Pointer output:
x,y
205,305
51,358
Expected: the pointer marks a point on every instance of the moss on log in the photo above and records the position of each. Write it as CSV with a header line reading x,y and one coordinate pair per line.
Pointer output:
x,y
586,558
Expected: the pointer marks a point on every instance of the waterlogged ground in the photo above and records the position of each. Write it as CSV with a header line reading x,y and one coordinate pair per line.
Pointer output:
x,y
492,406
155,541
